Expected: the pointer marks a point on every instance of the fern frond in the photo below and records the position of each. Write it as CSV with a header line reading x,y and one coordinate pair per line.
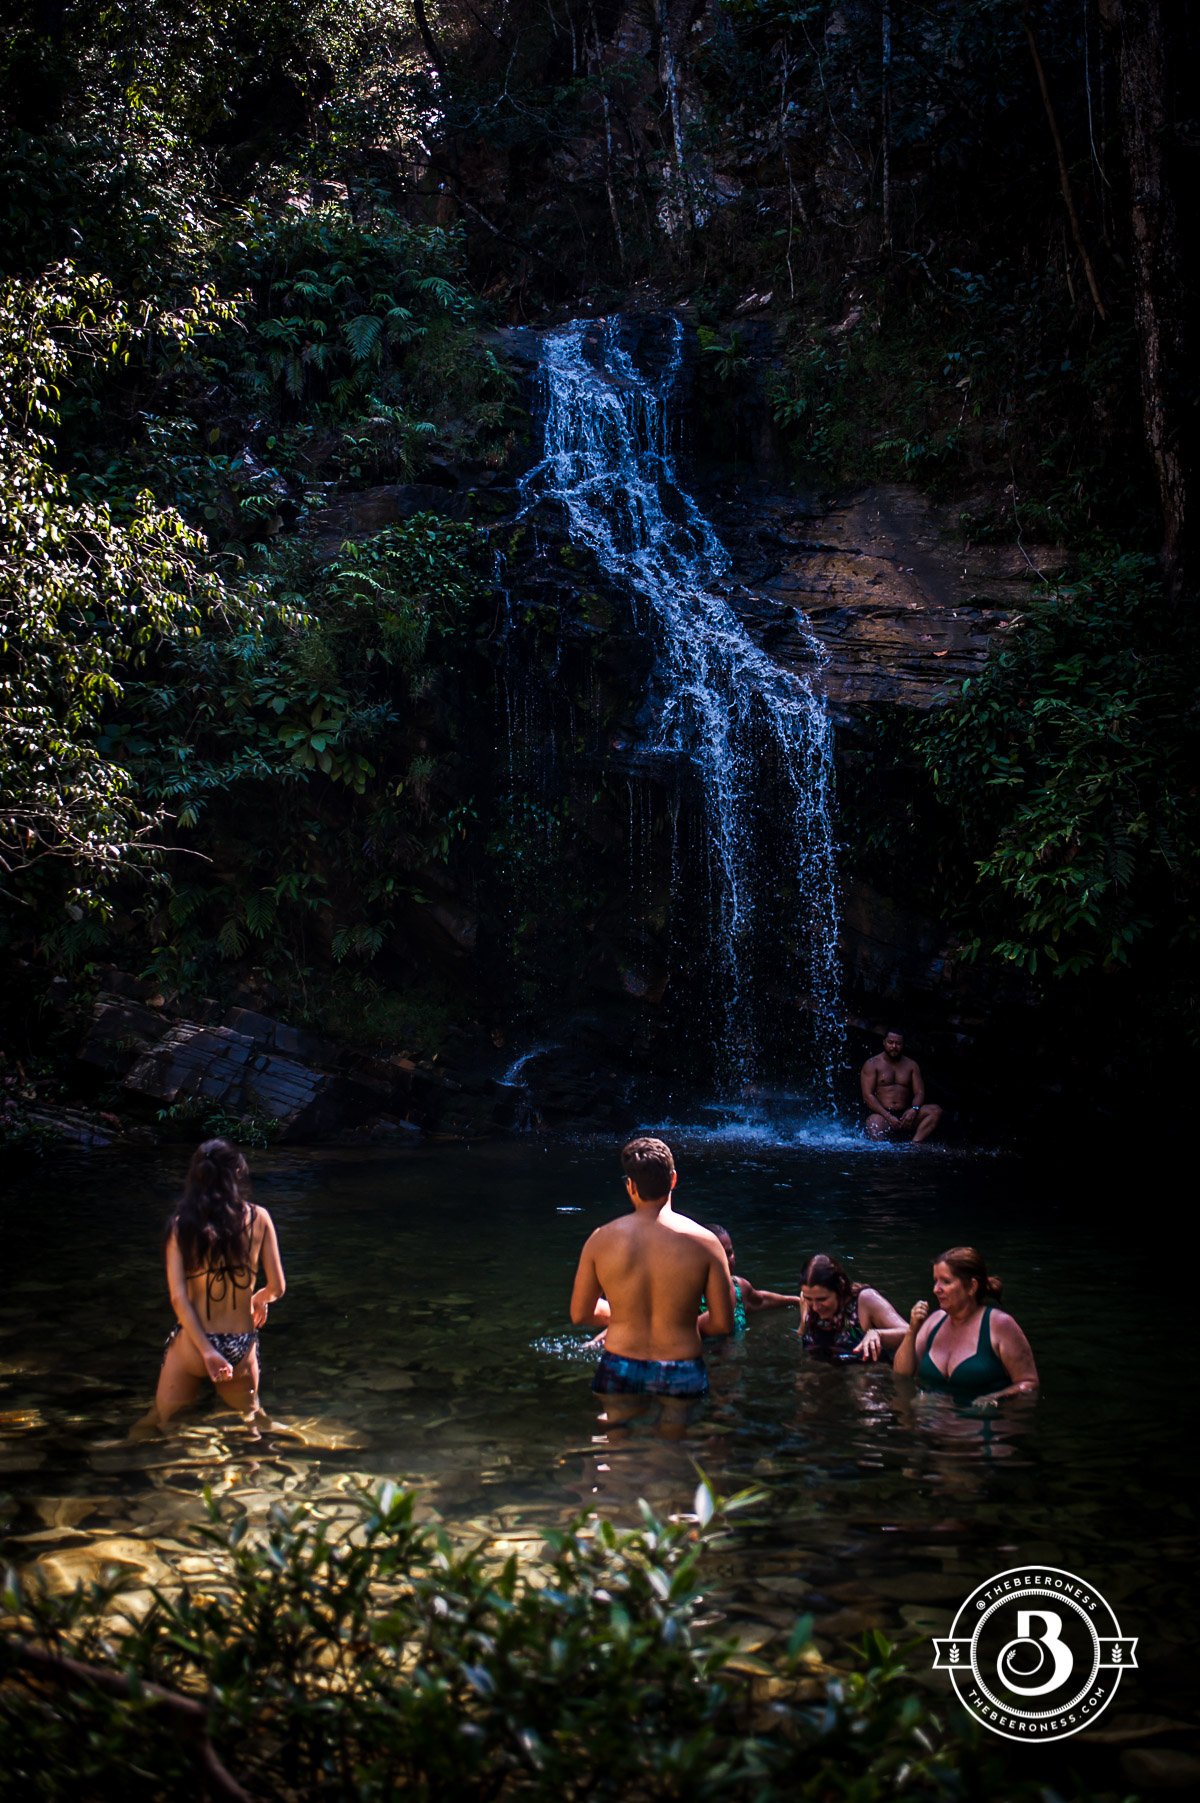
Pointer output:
x,y
363,335
231,940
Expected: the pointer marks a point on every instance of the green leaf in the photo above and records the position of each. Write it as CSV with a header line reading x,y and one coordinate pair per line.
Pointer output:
x,y
363,335
231,940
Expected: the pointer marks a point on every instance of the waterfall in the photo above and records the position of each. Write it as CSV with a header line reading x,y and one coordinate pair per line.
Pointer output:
x,y
756,733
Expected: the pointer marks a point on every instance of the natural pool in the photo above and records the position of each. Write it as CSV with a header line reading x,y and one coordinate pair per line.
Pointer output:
x,y
424,1338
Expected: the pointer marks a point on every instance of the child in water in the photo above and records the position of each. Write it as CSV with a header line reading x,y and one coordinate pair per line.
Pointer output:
x,y
746,1299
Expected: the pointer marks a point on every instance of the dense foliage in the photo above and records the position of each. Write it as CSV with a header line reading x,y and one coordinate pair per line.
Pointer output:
x,y
203,338
88,588
390,1662
1068,768
1055,797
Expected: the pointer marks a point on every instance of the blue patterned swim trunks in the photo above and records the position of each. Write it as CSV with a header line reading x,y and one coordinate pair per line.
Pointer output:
x,y
617,1376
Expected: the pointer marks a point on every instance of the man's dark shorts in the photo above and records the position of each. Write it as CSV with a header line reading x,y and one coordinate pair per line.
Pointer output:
x,y
617,1376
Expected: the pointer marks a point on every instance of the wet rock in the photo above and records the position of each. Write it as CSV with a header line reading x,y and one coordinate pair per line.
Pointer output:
x,y
848,1624
76,1127
73,1565
362,513
1116,1729
67,1511
248,1062
794,1588
890,949
459,925
382,1129
921,1587
902,609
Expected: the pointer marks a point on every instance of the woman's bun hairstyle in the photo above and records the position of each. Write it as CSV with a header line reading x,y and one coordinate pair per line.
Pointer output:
x,y
968,1263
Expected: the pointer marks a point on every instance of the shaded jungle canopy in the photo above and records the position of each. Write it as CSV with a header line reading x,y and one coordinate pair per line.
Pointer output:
x,y
253,261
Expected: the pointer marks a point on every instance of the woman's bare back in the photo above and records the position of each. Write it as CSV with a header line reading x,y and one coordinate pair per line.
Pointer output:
x,y
220,1294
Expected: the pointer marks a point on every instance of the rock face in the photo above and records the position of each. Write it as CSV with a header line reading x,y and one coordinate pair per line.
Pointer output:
x,y
890,950
358,513
902,609
243,1062
881,599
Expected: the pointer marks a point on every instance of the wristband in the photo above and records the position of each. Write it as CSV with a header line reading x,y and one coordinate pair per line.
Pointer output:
x,y
916,1107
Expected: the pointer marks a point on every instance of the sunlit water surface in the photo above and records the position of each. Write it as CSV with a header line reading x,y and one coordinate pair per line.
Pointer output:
x,y
424,1338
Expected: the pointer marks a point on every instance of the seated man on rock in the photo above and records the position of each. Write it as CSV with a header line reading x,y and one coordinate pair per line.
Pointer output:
x,y
894,1092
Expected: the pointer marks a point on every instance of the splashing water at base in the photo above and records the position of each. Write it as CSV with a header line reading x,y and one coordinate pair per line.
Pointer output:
x,y
756,733
514,1077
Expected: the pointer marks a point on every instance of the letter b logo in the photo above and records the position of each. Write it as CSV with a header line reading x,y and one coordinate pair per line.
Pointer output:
x,y
1023,1663
1029,1653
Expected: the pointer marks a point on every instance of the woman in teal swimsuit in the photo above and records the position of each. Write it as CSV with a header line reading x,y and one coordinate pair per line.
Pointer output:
x,y
967,1346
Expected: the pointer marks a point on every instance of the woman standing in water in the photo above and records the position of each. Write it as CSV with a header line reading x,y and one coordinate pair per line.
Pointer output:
x,y
843,1319
967,1346
216,1241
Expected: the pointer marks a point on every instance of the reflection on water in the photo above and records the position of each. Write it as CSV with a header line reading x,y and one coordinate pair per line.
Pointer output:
x,y
424,1338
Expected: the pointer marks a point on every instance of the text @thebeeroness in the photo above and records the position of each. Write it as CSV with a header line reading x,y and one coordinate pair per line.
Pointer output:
x,y
1035,1653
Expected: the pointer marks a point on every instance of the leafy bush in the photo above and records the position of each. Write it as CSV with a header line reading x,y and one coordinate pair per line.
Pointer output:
x,y
1068,765
387,1661
200,1116
358,323
309,759
88,592
352,1005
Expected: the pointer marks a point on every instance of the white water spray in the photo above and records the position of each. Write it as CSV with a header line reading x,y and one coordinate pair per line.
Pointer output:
x,y
746,723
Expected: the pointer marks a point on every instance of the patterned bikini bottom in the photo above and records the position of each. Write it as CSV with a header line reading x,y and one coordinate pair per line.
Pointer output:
x,y
232,1347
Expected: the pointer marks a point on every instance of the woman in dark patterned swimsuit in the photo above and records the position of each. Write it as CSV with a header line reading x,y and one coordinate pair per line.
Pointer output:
x,y
841,1319
216,1241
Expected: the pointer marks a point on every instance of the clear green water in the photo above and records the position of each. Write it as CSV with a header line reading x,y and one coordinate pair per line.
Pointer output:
x,y
424,1338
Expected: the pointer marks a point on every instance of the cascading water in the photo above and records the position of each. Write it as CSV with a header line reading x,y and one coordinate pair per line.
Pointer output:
x,y
756,733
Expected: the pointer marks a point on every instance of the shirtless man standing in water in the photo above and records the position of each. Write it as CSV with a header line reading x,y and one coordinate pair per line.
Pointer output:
x,y
642,1277
894,1092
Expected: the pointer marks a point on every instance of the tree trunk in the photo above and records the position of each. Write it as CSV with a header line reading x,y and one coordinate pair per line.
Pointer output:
x,y
1064,177
1160,296
885,110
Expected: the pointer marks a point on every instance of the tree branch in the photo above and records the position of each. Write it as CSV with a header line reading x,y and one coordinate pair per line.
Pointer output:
x,y
1064,180
188,1718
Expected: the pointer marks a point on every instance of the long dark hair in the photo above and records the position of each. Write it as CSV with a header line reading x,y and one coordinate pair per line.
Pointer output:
x,y
212,1220
827,1274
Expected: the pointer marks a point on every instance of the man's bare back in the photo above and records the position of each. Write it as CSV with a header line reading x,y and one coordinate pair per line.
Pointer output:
x,y
642,1277
654,1269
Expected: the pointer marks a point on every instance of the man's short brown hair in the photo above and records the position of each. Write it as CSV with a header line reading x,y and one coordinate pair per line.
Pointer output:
x,y
649,1166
